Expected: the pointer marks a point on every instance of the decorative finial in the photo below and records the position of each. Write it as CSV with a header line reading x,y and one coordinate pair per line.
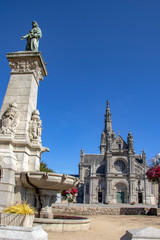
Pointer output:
x,y
118,132
33,38
107,104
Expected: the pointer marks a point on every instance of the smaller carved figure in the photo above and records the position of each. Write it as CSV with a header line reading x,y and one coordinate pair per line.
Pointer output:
x,y
33,37
35,127
103,138
10,119
130,140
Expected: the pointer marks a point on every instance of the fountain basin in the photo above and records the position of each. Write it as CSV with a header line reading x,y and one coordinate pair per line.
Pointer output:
x,y
63,223
51,181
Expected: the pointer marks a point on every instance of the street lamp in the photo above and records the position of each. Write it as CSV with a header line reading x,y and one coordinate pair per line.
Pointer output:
x,y
156,161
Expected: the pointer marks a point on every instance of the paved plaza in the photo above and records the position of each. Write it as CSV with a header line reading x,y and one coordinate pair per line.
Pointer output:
x,y
108,227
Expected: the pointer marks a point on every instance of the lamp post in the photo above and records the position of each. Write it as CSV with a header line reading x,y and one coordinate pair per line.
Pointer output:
x,y
156,161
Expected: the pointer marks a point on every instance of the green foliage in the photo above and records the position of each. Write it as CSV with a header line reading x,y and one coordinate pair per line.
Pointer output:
x,y
44,168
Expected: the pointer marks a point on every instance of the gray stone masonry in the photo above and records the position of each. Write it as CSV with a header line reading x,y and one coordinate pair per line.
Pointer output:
x,y
21,233
147,233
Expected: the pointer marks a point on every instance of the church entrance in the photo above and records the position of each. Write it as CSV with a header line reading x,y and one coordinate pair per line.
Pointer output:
x,y
100,197
120,193
120,197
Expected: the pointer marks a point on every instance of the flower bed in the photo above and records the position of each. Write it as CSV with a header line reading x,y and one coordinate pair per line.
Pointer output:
x,y
19,214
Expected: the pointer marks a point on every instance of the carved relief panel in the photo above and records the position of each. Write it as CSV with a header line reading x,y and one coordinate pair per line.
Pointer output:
x,y
35,126
10,119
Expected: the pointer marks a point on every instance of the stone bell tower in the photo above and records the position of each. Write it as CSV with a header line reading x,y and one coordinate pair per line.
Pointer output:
x,y
20,123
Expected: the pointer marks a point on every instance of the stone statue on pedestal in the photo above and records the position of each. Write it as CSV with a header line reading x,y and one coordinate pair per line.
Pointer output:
x,y
33,38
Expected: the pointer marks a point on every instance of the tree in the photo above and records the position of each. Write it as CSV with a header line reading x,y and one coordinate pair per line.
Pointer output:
x,y
44,167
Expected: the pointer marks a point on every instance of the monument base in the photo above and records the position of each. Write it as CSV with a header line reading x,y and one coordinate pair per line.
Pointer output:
x,y
22,233
147,233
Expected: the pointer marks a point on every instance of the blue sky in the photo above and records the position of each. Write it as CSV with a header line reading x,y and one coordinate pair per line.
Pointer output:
x,y
94,50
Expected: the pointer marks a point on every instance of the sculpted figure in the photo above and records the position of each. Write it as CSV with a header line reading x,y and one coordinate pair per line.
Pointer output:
x,y
35,128
10,119
103,138
33,37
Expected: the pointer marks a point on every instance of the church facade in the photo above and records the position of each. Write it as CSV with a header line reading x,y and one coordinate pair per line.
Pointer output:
x,y
117,174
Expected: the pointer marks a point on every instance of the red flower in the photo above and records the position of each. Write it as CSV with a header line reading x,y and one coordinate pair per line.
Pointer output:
x,y
153,174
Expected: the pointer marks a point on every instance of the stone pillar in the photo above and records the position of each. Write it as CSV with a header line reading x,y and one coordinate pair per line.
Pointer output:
x,y
109,192
132,187
93,185
7,177
108,177
20,124
19,116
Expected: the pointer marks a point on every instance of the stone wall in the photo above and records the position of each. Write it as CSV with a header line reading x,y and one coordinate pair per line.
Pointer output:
x,y
81,210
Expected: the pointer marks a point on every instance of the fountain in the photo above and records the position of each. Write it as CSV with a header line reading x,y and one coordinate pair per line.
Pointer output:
x,y
20,140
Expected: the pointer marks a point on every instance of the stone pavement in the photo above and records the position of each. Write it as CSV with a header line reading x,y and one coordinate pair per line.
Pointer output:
x,y
108,227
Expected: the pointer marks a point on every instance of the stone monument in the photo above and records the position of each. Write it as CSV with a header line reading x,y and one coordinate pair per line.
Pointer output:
x,y
20,124
146,233
20,134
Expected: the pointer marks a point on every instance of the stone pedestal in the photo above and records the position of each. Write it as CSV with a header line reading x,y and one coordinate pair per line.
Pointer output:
x,y
147,233
21,233
20,124
19,115
47,198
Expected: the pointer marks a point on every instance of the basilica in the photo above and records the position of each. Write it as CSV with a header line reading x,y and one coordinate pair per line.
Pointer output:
x,y
117,174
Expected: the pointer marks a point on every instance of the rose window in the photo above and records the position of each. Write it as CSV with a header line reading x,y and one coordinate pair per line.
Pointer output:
x,y
119,166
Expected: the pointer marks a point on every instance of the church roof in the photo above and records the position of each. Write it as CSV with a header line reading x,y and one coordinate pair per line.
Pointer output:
x,y
93,157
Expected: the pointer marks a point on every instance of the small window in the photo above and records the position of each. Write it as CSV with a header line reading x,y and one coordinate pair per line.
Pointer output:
x,y
0,172
87,188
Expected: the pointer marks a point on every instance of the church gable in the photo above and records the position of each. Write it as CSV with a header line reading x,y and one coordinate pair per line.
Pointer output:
x,y
119,143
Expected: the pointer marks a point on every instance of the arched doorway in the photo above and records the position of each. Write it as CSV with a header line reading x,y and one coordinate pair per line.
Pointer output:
x,y
121,192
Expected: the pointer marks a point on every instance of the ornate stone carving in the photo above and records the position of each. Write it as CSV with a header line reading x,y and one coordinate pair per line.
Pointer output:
x,y
10,119
103,138
119,166
35,126
27,66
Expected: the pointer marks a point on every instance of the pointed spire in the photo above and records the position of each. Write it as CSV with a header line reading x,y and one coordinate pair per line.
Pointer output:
x,y
82,155
130,141
108,121
82,152
107,104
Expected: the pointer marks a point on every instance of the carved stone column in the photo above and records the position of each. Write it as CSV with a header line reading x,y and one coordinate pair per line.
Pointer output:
x,y
20,124
27,70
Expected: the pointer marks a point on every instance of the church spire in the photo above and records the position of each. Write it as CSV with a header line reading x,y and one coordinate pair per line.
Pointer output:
x,y
108,120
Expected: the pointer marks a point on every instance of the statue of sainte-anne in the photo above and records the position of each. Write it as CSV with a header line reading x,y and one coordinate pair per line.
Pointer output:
x,y
33,38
